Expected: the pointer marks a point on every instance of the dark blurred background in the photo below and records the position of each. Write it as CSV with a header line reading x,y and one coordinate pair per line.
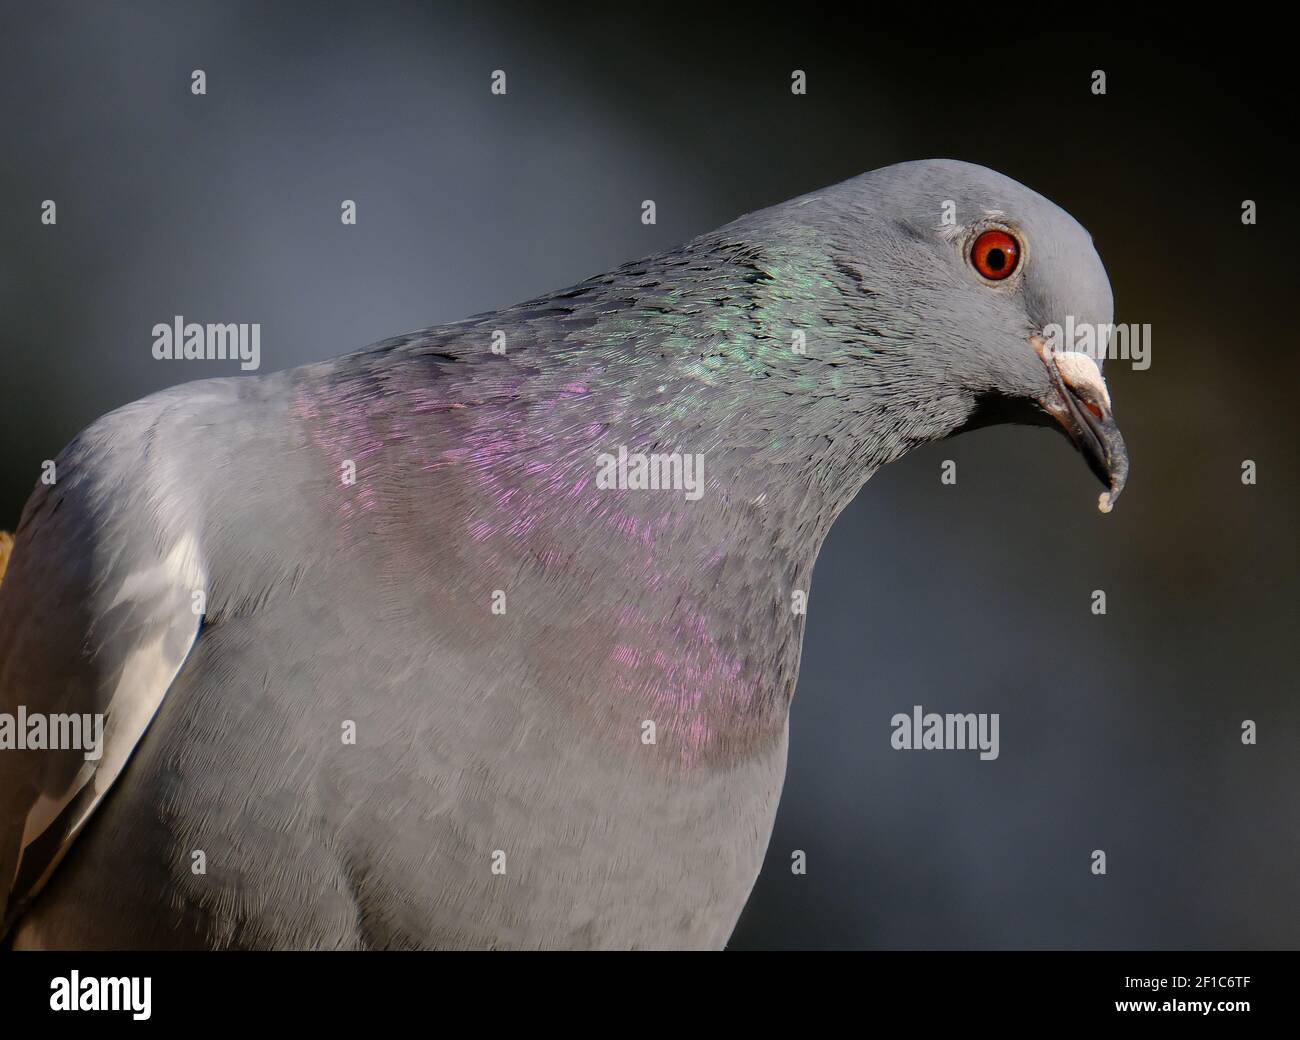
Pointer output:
x,y
1119,733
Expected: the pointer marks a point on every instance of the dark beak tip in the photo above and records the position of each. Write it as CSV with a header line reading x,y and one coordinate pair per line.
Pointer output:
x,y
1115,467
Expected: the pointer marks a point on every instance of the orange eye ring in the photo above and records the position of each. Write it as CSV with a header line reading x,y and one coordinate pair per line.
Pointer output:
x,y
995,255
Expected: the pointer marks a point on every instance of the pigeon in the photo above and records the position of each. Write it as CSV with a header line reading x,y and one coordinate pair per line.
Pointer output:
x,y
483,636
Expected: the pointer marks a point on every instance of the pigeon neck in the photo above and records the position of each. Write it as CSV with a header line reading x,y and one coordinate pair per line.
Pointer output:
x,y
680,522
646,471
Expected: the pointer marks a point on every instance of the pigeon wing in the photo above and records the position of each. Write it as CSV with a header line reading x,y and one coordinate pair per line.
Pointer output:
x,y
98,611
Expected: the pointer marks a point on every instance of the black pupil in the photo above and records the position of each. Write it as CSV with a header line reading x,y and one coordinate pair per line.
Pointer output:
x,y
996,259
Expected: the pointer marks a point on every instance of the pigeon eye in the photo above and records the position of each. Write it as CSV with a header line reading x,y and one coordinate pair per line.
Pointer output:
x,y
995,255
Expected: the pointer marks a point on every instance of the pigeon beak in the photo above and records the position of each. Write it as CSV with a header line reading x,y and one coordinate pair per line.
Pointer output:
x,y
1080,402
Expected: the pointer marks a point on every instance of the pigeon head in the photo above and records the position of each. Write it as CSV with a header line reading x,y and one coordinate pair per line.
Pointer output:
x,y
952,297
